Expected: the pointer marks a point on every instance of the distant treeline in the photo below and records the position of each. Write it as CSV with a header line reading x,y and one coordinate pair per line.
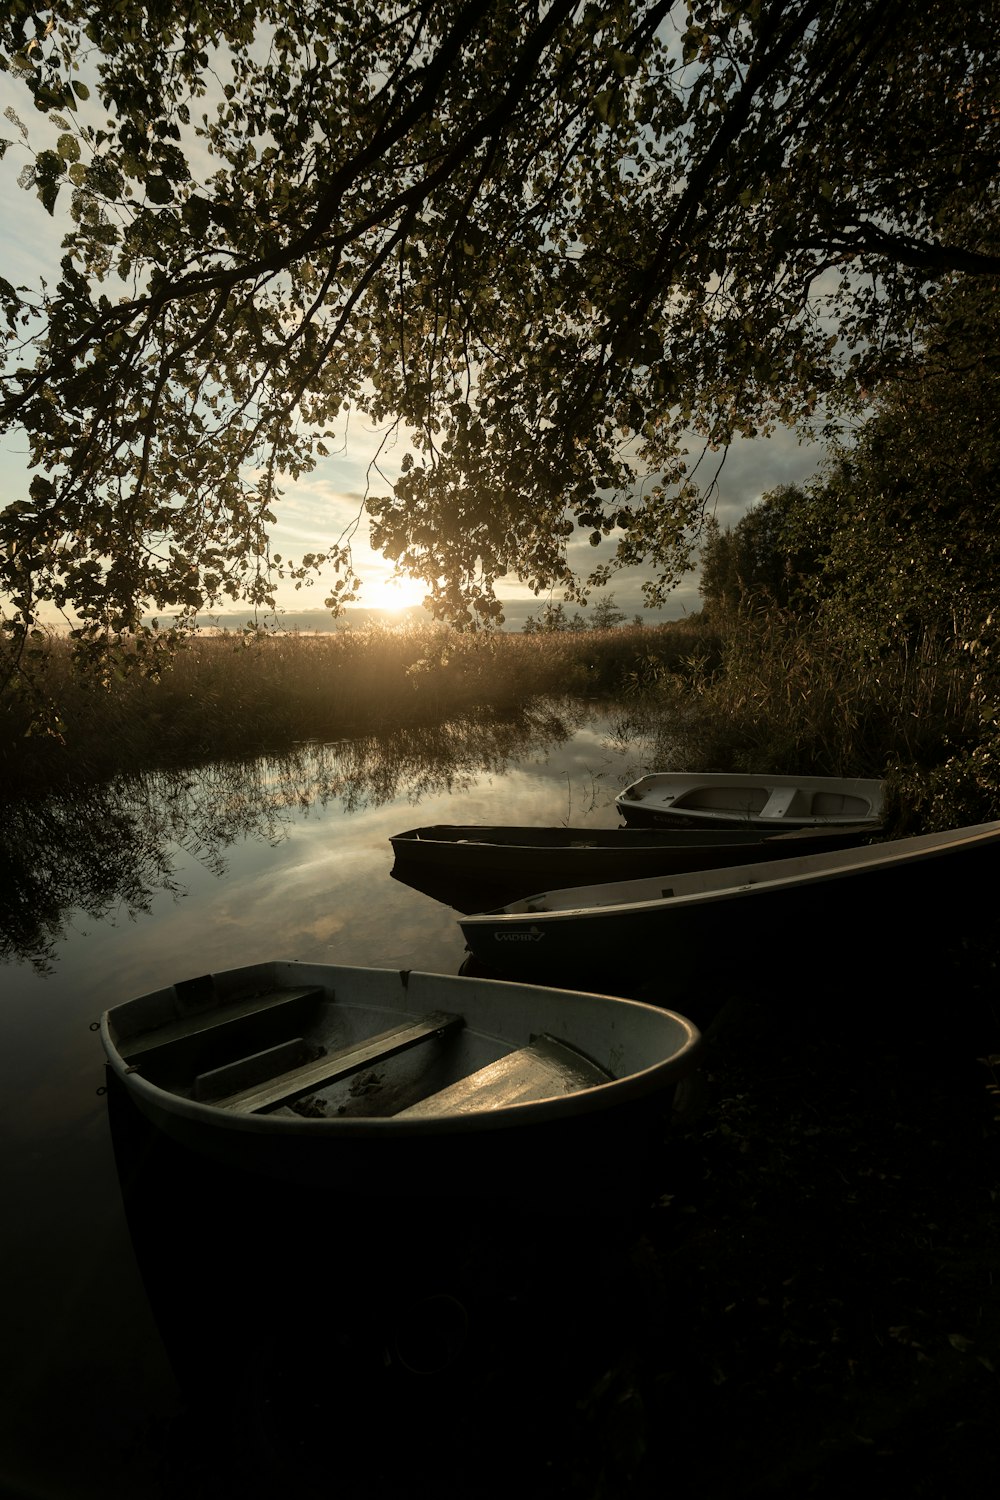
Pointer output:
x,y
519,614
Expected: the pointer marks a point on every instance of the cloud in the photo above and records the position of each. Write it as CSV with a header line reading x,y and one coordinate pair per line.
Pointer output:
x,y
317,509
755,465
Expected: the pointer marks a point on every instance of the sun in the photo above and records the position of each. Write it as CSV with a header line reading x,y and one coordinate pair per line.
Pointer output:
x,y
396,593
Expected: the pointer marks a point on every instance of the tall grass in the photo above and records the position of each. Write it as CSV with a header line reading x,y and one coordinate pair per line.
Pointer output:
x,y
795,696
756,689
241,695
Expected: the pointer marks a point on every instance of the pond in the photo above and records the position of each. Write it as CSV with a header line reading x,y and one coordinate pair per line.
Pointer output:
x,y
128,888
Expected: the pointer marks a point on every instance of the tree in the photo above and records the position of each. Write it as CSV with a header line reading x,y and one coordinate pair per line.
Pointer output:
x,y
766,557
553,617
544,245
899,532
910,512
606,615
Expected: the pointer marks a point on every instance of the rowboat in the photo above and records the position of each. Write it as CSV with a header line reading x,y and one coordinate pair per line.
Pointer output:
x,y
520,859
687,799
401,1085
792,920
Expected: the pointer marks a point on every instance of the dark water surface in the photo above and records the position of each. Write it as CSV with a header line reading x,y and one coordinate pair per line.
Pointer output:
x,y
127,889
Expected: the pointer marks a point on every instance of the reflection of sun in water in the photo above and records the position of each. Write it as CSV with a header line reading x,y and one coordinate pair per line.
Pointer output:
x,y
395,593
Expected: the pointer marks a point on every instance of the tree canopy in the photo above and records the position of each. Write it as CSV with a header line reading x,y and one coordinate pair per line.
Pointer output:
x,y
546,246
908,516
763,559
899,532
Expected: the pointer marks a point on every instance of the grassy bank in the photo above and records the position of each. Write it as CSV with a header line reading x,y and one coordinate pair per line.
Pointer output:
x,y
240,695
775,692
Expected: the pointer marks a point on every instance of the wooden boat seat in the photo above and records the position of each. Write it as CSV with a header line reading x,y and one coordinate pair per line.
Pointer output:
x,y
779,804
201,1019
544,1069
273,1089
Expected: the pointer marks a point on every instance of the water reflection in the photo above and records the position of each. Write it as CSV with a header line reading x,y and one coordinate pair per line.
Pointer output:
x,y
118,891
91,852
108,850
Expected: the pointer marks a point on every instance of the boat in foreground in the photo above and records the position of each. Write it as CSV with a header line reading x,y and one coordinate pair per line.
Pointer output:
x,y
790,920
528,857
689,799
388,1083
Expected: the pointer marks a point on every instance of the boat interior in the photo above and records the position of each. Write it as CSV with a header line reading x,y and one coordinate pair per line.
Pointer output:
x,y
774,802
294,1050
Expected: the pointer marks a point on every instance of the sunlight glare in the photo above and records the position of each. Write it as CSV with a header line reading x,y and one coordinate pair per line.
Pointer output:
x,y
397,593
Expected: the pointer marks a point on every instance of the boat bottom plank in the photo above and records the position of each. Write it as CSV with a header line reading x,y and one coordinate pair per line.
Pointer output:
x,y
544,1069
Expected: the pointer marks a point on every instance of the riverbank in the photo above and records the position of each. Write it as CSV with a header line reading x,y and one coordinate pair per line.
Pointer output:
x,y
829,1310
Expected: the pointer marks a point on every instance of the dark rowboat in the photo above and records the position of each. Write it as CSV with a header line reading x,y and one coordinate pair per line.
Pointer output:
x,y
521,859
791,920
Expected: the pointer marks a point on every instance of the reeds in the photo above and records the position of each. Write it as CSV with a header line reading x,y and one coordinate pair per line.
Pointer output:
x,y
758,689
245,694
797,696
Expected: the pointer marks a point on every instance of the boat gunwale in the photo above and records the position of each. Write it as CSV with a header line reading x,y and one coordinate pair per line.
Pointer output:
x,y
748,779
932,846
625,838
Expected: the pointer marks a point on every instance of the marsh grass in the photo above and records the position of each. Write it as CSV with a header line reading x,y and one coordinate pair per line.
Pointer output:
x,y
801,697
226,695
757,689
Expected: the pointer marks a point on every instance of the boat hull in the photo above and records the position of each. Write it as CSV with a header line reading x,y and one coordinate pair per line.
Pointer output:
x,y
563,1149
444,860
780,924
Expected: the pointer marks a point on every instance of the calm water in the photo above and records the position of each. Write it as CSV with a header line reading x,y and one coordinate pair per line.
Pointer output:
x,y
135,886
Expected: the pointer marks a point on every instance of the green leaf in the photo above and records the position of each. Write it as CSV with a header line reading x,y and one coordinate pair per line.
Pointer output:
x,y
624,63
159,190
605,106
14,118
48,175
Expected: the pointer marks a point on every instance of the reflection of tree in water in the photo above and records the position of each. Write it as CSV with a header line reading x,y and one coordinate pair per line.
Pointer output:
x,y
94,852
428,760
108,850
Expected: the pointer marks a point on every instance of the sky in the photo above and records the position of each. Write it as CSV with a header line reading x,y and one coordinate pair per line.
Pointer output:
x,y
317,508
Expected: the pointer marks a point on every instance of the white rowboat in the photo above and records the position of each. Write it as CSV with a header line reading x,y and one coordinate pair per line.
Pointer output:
x,y
794,917
689,799
400,1084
